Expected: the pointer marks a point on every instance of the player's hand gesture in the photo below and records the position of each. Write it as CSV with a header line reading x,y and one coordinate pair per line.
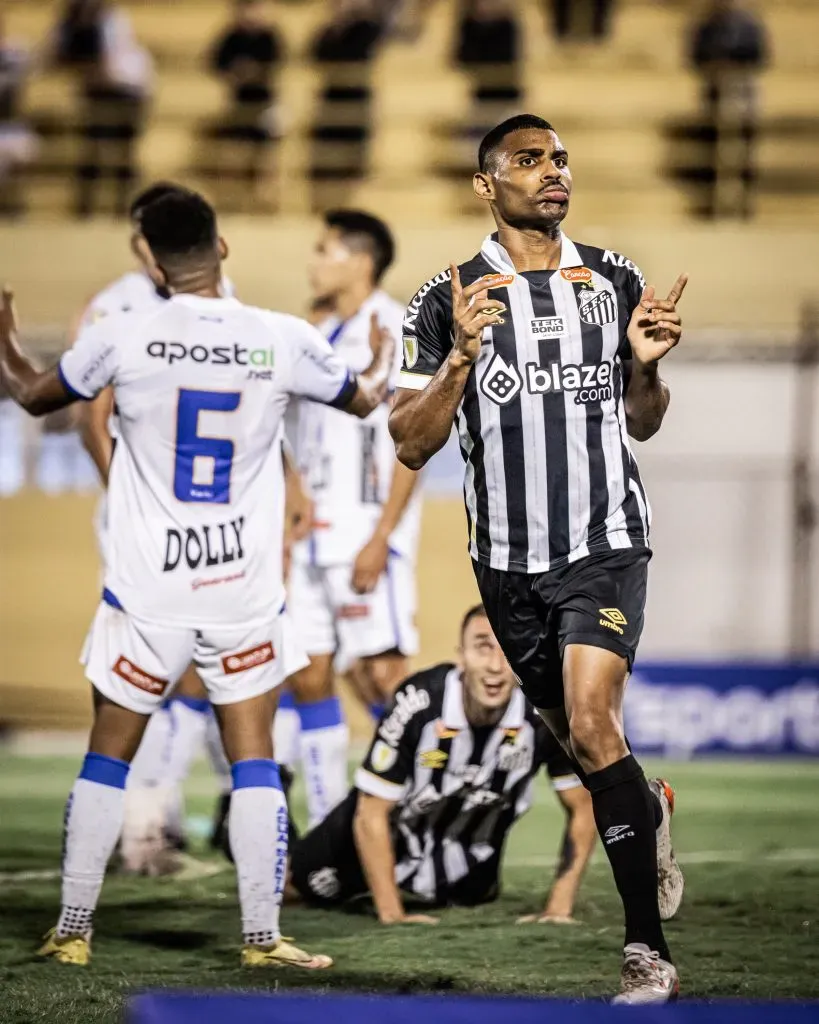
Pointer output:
x,y
473,310
655,326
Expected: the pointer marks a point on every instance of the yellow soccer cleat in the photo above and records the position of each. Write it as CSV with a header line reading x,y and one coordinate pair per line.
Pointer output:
x,y
283,954
72,949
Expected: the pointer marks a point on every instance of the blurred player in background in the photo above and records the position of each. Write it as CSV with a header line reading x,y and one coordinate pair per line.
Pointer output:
x,y
153,809
448,774
194,552
352,582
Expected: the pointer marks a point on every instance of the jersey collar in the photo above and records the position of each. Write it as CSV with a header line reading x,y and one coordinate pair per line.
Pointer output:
x,y
498,258
200,301
453,715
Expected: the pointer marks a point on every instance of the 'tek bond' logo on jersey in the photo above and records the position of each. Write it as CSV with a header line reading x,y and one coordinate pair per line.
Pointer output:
x,y
407,703
261,360
590,382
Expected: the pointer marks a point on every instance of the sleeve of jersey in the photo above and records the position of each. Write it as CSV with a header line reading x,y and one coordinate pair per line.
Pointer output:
x,y
632,291
318,373
426,336
88,366
387,768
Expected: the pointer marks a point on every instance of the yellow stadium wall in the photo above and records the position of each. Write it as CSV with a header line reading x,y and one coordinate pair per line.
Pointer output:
x,y
56,267
49,587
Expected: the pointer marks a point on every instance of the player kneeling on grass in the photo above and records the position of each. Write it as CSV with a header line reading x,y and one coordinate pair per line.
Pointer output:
x,y
194,557
448,774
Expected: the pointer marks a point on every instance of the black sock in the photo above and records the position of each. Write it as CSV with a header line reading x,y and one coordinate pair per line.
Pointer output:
x,y
624,812
655,800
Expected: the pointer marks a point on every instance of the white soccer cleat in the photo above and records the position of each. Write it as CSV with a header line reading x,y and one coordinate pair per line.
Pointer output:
x,y
645,978
670,881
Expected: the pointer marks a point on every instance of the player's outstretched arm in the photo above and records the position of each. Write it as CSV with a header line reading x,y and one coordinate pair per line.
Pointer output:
x,y
373,840
372,385
655,328
37,391
577,846
421,421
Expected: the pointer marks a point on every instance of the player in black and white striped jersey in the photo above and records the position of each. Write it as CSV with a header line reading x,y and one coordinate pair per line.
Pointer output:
x,y
545,354
448,774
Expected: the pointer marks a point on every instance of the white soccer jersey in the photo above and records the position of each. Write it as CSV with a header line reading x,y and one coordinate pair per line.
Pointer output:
x,y
196,491
134,292
347,464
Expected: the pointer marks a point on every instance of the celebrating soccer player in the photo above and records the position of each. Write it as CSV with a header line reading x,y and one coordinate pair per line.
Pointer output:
x,y
194,560
545,354
448,774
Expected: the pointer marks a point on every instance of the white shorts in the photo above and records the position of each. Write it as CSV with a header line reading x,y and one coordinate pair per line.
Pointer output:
x,y
330,618
136,664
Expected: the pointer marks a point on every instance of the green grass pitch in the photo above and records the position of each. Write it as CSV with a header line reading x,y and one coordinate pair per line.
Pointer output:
x,y
747,835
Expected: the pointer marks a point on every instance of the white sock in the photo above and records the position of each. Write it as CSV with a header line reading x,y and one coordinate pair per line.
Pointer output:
x,y
258,839
93,821
323,745
216,754
286,729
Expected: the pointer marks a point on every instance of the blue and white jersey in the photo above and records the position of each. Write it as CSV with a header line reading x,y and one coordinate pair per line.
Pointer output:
x,y
196,493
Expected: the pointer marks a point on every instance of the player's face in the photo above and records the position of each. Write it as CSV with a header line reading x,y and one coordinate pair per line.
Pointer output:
x,y
333,267
530,184
487,674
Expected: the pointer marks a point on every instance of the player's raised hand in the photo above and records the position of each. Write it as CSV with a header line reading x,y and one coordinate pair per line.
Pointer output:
x,y
656,326
473,310
380,339
8,313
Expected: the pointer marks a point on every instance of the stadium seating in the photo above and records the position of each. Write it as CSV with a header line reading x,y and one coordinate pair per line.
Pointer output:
x,y
617,102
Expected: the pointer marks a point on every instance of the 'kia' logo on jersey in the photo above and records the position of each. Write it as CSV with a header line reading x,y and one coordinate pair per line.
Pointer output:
x,y
501,382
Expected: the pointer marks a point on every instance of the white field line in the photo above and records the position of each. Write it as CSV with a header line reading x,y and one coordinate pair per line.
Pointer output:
x,y
787,856
204,869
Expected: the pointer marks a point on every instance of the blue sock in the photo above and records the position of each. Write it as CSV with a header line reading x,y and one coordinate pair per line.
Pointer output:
x,y
377,710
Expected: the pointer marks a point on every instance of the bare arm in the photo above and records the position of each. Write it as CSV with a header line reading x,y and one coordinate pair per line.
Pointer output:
x,y
655,329
94,431
372,384
421,421
373,840
647,400
371,560
37,391
576,848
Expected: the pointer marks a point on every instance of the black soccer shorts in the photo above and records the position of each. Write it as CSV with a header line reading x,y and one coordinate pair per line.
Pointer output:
x,y
598,601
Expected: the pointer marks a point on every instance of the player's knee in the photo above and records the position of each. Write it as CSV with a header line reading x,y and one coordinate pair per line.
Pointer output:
x,y
311,684
596,736
385,673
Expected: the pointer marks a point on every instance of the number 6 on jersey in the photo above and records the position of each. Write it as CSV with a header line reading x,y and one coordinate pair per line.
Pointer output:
x,y
190,446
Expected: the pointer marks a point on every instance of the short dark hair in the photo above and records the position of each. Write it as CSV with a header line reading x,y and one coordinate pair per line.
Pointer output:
x,y
495,137
477,611
158,190
179,225
364,231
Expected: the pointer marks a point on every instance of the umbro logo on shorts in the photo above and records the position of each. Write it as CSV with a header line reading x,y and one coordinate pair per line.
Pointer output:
x,y
243,660
138,677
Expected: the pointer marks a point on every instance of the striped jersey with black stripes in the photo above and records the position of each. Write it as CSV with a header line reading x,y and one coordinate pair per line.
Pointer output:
x,y
550,475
